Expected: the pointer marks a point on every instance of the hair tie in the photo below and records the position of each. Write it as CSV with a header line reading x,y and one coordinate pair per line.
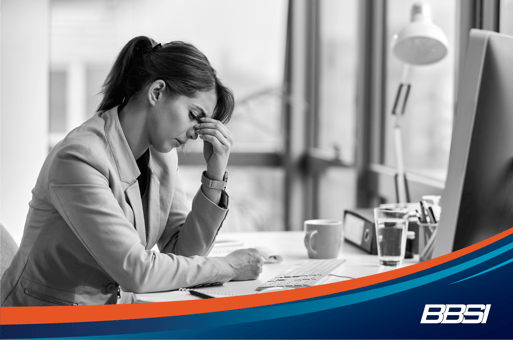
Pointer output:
x,y
156,47
153,49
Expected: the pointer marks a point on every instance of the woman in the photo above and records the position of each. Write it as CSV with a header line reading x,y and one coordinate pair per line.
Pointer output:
x,y
110,191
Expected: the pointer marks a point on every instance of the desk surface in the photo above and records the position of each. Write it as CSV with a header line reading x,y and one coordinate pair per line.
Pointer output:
x,y
290,246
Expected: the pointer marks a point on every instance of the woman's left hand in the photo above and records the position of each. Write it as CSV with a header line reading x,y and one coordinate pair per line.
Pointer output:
x,y
217,144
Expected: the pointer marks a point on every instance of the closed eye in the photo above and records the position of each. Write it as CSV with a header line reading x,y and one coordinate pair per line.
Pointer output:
x,y
195,117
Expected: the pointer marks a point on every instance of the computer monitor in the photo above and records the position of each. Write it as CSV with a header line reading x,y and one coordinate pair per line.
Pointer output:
x,y
477,202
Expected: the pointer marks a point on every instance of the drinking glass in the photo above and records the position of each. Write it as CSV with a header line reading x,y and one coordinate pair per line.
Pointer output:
x,y
391,228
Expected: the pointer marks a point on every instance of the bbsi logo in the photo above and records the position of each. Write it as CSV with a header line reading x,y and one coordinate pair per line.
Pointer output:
x,y
456,313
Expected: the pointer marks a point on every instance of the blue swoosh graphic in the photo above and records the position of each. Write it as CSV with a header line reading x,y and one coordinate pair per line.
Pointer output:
x,y
485,271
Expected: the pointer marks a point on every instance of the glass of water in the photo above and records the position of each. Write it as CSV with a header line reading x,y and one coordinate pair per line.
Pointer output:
x,y
391,229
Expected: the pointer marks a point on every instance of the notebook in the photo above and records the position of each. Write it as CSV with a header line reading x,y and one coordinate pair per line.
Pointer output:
x,y
213,293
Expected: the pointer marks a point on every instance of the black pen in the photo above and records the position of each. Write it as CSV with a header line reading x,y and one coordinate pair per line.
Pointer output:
x,y
418,216
432,215
201,295
423,212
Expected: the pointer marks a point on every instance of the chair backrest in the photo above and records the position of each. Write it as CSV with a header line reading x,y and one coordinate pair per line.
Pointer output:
x,y
8,248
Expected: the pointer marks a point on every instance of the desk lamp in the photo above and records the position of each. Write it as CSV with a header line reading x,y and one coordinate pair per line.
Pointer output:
x,y
419,43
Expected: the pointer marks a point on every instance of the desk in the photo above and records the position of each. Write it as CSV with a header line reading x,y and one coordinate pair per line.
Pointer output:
x,y
288,244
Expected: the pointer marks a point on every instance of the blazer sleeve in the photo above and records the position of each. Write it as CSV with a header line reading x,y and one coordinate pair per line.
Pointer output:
x,y
78,186
192,232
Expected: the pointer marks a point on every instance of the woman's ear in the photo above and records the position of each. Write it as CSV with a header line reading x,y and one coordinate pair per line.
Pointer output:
x,y
156,91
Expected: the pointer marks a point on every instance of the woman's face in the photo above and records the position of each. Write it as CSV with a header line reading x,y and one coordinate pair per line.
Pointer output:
x,y
171,120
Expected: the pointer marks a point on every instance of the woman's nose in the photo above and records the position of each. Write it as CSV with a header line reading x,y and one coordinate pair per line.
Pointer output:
x,y
191,133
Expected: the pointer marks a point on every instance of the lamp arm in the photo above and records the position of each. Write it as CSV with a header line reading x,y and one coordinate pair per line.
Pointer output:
x,y
400,181
403,85
402,194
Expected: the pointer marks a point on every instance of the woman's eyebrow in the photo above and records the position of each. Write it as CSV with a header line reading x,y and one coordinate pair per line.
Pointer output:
x,y
201,113
196,117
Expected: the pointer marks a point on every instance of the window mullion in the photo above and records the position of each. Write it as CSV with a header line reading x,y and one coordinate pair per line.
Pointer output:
x,y
490,15
296,110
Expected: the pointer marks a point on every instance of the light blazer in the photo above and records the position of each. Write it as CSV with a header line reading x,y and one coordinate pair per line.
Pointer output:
x,y
88,231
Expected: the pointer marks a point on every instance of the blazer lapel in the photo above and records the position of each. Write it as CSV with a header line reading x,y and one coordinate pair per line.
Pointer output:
x,y
153,212
134,198
126,166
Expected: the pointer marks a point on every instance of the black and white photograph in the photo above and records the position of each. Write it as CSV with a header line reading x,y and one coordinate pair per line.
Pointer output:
x,y
253,154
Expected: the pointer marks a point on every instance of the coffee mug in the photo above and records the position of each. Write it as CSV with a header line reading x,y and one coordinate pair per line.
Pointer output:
x,y
323,238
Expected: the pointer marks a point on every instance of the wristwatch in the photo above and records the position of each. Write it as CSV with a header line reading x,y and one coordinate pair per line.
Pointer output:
x,y
209,183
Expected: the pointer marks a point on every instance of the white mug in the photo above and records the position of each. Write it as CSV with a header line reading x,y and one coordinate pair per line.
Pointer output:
x,y
323,238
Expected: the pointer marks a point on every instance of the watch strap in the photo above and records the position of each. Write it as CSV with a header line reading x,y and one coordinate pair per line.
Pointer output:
x,y
213,184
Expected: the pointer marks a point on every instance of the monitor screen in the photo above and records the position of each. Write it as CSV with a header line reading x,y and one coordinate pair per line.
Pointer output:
x,y
477,202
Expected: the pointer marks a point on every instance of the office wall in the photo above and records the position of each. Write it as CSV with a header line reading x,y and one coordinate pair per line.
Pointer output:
x,y
24,105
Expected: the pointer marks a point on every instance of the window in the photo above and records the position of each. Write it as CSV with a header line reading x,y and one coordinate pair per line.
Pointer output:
x,y
337,105
337,94
254,193
57,102
427,124
506,17
95,77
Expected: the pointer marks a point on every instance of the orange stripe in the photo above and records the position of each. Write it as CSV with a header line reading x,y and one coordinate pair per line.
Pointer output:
x,y
45,315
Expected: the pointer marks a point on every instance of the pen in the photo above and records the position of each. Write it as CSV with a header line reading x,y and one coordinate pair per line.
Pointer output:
x,y
432,215
423,212
201,295
272,259
418,216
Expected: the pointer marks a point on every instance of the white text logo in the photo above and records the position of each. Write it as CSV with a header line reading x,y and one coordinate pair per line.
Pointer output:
x,y
456,313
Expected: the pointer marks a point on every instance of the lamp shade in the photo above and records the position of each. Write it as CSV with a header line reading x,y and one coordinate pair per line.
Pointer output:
x,y
421,42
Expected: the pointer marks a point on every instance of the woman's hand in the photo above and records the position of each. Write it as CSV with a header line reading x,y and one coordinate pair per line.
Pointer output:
x,y
217,144
246,263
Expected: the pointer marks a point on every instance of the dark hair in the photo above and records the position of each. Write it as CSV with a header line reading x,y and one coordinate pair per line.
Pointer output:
x,y
181,65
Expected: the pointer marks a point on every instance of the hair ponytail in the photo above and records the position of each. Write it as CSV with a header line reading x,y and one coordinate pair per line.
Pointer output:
x,y
181,65
122,81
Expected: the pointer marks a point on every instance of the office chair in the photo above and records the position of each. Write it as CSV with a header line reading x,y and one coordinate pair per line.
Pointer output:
x,y
8,248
